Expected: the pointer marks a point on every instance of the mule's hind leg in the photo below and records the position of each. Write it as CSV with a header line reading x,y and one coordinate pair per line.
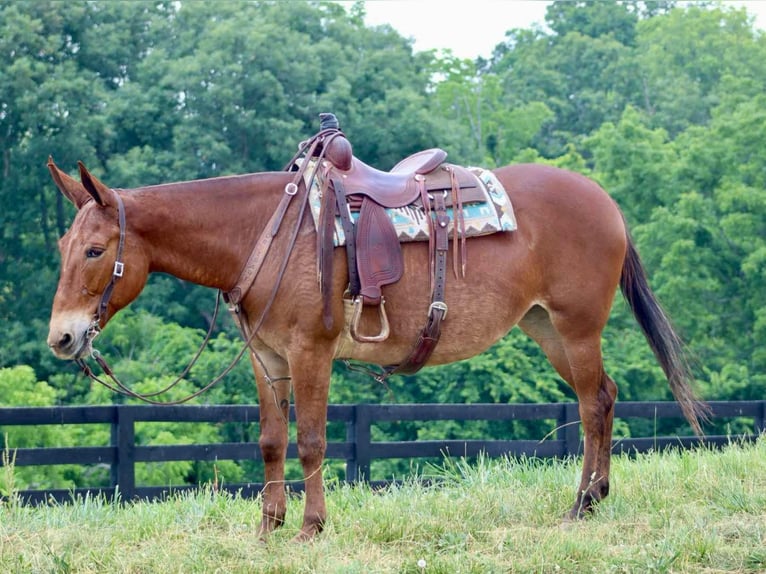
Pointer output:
x,y
576,356
274,401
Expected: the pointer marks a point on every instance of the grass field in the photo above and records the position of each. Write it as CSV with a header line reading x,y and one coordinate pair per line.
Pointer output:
x,y
697,511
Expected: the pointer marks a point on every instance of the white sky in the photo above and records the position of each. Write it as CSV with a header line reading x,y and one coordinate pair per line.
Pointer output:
x,y
472,28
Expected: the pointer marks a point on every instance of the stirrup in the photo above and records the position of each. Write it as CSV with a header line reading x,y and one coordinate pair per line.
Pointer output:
x,y
384,327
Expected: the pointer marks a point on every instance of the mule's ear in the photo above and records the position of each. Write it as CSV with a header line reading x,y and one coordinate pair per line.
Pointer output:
x,y
72,189
97,190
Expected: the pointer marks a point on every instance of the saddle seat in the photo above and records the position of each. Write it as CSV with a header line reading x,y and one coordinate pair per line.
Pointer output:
x,y
396,188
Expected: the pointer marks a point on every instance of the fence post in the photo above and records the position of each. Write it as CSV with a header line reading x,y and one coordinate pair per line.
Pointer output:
x,y
352,470
569,429
358,433
123,439
759,422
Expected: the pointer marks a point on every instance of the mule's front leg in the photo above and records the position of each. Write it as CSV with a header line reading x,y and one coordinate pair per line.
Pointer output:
x,y
311,382
274,401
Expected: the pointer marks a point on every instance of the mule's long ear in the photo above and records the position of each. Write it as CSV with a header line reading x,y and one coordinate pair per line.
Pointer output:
x,y
98,191
72,189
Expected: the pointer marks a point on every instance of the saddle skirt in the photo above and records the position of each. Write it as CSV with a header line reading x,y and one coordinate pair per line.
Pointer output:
x,y
488,210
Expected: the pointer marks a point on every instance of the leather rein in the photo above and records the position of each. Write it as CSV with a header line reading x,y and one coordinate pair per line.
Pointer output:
x,y
234,296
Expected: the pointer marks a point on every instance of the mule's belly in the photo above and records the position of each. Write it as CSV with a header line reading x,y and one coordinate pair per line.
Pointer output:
x,y
481,307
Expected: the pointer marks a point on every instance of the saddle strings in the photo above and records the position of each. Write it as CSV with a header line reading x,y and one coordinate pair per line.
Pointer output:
x,y
458,226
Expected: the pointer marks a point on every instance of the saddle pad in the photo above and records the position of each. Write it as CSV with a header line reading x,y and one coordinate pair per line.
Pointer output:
x,y
492,215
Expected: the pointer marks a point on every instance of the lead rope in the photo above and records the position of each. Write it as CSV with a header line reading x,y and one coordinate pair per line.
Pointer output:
x,y
307,149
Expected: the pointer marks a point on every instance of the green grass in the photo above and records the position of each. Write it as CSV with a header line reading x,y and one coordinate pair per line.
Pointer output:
x,y
690,511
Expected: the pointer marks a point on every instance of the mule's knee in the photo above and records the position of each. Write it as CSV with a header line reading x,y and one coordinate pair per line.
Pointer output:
x,y
609,389
273,448
311,446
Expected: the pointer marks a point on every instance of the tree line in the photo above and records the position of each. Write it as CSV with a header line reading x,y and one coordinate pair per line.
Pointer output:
x,y
662,103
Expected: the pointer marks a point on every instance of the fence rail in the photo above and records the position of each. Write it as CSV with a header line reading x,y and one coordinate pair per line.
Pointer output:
x,y
358,450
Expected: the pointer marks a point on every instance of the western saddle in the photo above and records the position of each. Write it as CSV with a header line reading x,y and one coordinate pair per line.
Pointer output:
x,y
374,254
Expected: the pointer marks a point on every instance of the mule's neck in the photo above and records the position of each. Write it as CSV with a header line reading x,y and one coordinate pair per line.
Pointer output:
x,y
203,231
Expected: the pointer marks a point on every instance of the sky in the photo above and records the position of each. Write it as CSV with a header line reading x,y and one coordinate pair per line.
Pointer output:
x,y
472,28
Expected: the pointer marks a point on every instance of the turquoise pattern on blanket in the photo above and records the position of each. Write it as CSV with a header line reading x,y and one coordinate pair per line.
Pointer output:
x,y
493,215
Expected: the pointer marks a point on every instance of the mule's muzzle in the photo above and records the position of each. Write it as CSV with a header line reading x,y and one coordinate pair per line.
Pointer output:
x,y
72,340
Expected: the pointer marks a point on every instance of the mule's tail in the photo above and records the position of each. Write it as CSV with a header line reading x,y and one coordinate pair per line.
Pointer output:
x,y
662,338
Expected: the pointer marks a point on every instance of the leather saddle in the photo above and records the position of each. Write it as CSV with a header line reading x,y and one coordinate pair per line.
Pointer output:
x,y
368,191
359,195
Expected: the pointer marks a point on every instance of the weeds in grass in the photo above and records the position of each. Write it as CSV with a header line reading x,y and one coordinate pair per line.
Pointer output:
x,y
8,487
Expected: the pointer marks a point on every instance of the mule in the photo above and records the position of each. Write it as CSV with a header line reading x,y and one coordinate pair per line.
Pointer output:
x,y
555,277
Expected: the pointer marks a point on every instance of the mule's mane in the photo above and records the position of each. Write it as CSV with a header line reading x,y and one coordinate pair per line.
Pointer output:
x,y
242,182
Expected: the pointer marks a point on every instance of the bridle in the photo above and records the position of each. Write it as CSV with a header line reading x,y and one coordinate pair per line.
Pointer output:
x,y
233,297
113,383
119,265
118,270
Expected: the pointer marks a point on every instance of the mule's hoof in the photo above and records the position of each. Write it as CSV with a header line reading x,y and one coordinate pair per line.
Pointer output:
x,y
578,513
309,531
268,525
305,536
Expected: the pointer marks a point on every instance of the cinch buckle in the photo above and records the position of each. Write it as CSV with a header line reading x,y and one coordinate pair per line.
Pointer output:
x,y
441,305
119,269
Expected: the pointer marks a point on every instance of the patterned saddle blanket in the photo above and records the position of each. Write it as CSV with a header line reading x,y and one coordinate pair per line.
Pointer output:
x,y
492,213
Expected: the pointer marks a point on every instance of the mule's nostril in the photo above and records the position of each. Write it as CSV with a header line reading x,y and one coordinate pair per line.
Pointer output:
x,y
65,340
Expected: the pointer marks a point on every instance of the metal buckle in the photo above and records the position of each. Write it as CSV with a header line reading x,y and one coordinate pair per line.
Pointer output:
x,y
291,188
441,305
119,269
93,330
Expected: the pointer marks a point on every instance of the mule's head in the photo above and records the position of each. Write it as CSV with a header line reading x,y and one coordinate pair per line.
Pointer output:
x,y
98,276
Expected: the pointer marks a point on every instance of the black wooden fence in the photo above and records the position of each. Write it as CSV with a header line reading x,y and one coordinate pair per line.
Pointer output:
x,y
358,450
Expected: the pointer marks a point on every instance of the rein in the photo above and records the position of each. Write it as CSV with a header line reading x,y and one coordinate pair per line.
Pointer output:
x,y
234,296
94,329
120,388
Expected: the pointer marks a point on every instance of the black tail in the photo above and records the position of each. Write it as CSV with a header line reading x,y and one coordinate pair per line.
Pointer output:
x,y
662,338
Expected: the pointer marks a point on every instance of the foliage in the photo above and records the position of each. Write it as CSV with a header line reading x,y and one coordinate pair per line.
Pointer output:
x,y
20,386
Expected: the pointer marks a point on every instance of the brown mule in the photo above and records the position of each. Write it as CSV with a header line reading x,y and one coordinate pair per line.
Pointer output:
x,y
555,276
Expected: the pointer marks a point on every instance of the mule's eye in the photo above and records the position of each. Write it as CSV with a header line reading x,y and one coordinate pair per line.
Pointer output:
x,y
94,252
